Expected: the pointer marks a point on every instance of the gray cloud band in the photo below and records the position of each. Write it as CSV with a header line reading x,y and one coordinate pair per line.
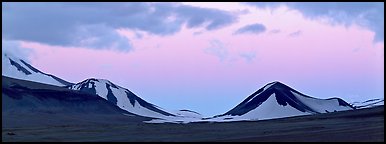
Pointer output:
x,y
93,24
367,14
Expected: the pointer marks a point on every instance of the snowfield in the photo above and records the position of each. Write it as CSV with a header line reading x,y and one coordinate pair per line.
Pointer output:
x,y
122,97
17,68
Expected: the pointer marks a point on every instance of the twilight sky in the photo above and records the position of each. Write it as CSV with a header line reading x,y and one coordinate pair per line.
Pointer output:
x,y
206,57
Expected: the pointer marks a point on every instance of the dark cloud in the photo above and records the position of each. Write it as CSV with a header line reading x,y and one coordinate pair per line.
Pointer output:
x,y
93,24
199,16
99,36
367,14
253,28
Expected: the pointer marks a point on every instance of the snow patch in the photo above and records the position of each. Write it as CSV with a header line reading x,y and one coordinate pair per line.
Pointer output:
x,y
10,70
321,105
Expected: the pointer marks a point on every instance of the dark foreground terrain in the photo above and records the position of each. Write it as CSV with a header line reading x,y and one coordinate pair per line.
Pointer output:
x,y
37,112
357,125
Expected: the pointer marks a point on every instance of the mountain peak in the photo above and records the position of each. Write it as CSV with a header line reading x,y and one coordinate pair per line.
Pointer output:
x,y
92,81
119,96
96,80
276,99
276,83
277,86
271,85
18,68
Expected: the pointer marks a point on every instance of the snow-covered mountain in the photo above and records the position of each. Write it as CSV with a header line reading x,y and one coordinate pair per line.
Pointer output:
x,y
368,103
188,114
276,100
17,68
181,116
121,97
27,103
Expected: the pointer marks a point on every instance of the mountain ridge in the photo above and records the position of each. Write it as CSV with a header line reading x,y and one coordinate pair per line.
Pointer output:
x,y
287,101
273,100
119,96
17,68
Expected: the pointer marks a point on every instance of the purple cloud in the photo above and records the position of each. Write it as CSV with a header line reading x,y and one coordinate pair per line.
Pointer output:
x,y
252,28
95,23
367,14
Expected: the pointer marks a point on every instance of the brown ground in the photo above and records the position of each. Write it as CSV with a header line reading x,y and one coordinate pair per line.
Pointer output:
x,y
359,125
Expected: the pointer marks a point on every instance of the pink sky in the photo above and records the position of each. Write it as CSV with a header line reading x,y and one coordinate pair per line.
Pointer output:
x,y
180,70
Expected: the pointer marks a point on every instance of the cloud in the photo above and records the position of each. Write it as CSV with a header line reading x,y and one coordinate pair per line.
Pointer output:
x,y
195,17
248,56
138,35
90,24
14,48
241,12
218,49
252,28
100,36
367,14
295,34
265,4
197,33
275,31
